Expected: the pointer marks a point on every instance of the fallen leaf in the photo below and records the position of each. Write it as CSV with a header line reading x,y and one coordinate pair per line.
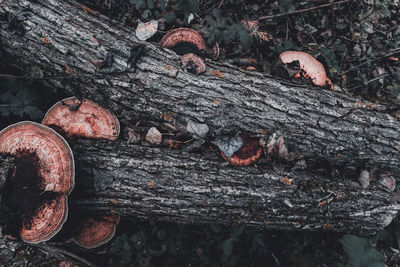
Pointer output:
x,y
68,69
133,137
173,144
327,226
154,136
168,116
86,9
150,183
199,130
265,36
229,144
286,181
370,105
45,40
168,67
146,30
217,73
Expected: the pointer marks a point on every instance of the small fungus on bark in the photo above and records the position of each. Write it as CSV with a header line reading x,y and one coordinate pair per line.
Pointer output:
x,y
55,156
313,69
189,44
96,232
47,221
82,118
44,176
249,153
183,41
193,63
214,52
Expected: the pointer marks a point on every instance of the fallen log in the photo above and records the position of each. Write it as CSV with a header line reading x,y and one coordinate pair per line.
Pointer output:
x,y
86,54
182,187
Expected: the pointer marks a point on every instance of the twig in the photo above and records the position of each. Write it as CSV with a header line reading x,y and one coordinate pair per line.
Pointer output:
x,y
391,53
305,10
55,251
377,78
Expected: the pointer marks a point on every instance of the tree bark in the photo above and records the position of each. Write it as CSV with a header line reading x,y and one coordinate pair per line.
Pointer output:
x,y
182,187
69,45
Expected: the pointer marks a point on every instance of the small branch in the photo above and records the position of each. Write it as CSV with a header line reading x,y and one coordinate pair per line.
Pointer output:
x,y
304,10
57,252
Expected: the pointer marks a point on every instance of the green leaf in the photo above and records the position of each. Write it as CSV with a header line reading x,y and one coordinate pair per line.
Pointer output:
x,y
169,17
163,5
216,13
211,21
360,253
245,38
150,4
146,14
286,6
229,35
140,3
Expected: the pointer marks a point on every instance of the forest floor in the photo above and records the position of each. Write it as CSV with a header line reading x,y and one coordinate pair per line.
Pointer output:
x,y
356,41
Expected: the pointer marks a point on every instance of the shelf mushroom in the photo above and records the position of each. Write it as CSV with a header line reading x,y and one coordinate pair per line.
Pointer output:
x,y
313,69
190,44
55,173
96,232
249,153
82,118
193,63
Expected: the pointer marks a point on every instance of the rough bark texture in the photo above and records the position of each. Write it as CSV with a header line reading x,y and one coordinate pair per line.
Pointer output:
x,y
179,186
66,42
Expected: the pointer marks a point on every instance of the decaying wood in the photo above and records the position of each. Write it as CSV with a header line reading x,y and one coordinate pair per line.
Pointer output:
x,y
178,186
72,44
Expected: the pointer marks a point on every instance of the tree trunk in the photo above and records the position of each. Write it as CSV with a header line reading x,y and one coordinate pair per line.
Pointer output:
x,y
70,44
182,187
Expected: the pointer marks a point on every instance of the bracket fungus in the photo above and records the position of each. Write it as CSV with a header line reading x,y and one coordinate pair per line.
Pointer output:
x,y
183,41
312,68
82,118
44,175
96,232
191,45
249,153
193,63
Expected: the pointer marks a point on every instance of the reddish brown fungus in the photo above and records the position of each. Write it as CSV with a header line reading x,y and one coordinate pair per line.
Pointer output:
x,y
96,232
45,156
193,63
82,118
182,40
248,154
54,154
47,221
313,69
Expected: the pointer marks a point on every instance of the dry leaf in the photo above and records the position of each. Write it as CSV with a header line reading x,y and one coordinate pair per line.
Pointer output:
x,y
229,144
86,9
68,69
217,73
45,40
146,30
154,136
199,130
